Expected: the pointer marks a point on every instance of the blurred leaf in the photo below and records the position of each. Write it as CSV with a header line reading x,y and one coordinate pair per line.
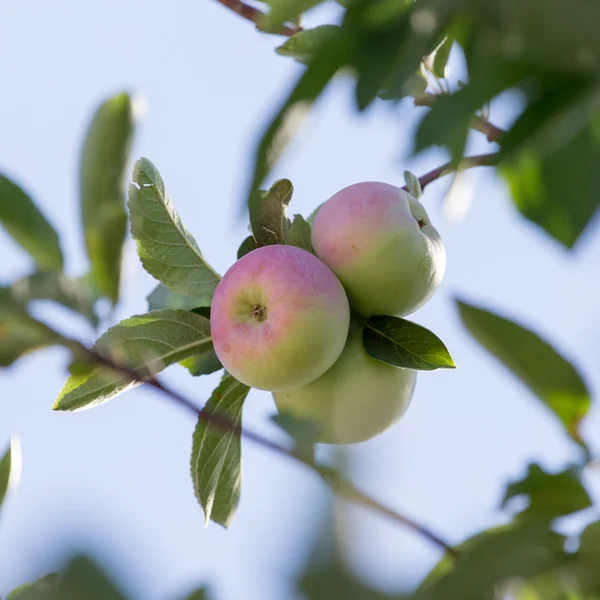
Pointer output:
x,y
304,432
413,85
493,557
438,59
268,213
402,343
283,11
559,192
83,580
216,453
167,250
198,595
333,55
6,463
550,495
305,44
28,227
162,297
145,344
333,582
102,179
247,246
551,377
299,234
36,590
413,185
74,294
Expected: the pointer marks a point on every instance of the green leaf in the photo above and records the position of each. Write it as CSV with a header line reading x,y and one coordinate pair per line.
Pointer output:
x,y
550,495
23,221
550,376
145,344
405,344
333,581
413,185
299,234
268,213
162,297
167,250
102,180
216,453
283,11
74,294
490,559
36,590
305,44
202,364
333,55
438,59
247,246
10,468
201,594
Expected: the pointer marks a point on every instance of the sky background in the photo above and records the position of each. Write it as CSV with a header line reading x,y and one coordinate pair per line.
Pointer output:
x,y
116,479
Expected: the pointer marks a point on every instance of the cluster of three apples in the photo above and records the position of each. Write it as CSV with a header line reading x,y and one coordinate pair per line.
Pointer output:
x,y
281,316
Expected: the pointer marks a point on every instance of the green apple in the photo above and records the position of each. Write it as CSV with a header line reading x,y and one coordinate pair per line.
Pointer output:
x,y
381,244
279,318
355,400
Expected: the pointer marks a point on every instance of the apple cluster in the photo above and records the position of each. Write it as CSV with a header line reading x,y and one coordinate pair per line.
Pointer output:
x,y
281,316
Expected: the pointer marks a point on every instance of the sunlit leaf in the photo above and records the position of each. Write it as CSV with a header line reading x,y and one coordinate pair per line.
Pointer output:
x,y
36,590
102,181
299,234
305,44
268,213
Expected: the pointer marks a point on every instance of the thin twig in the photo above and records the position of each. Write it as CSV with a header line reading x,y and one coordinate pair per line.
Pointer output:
x,y
479,123
480,160
337,483
255,16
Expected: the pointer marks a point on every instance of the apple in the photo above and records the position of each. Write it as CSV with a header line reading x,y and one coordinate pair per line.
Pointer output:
x,y
379,241
357,399
279,318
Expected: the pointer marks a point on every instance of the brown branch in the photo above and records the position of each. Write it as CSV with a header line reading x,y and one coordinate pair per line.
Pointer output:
x,y
480,160
479,123
255,16
337,483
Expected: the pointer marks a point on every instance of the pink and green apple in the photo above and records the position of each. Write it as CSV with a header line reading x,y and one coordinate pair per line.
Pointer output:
x,y
279,318
357,399
379,241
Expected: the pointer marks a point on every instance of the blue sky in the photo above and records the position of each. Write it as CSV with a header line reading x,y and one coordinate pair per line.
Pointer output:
x,y
117,477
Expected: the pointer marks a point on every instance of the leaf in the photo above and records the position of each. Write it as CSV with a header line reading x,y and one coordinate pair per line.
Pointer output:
x,y
10,469
167,250
102,178
299,234
402,343
305,44
268,213
438,59
283,11
216,453
36,590
304,432
162,297
74,294
200,594
202,364
332,56
247,246
413,185
145,344
25,223
334,581
550,376
489,559
550,495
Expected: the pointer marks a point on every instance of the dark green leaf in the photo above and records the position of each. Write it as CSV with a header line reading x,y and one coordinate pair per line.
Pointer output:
x,y
216,452
268,213
9,468
413,85
162,297
167,250
283,11
36,590
438,60
306,43
550,376
145,344
28,227
75,294
202,364
405,344
247,246
299,234
550,495
201,594
333,55
335,582
102,180
491,558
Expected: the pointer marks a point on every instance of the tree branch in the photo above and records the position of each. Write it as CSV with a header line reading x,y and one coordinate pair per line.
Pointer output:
x,y
336,482
479,123
255,16
480,160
